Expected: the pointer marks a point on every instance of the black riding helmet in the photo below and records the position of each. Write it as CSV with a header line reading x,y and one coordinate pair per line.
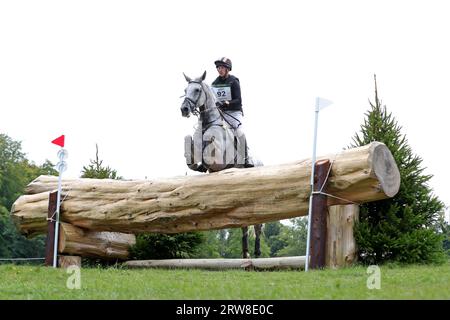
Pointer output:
x,y
223,62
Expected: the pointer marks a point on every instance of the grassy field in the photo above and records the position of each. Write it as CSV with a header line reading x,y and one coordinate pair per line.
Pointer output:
x,y
408,282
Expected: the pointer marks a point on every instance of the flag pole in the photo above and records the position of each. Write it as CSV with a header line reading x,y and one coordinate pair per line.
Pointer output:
x,y
316,122
61,166
56,242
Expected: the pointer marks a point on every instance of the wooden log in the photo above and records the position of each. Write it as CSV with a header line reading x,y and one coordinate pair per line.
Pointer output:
x,y
341,248
67,261
86,243
226,199
319,216
220,264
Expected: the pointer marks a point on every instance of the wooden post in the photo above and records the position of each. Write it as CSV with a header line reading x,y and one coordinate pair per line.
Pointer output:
x,y
319,217
50,241
341,245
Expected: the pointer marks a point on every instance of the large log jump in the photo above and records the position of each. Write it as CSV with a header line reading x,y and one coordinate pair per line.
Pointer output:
x,y
227,199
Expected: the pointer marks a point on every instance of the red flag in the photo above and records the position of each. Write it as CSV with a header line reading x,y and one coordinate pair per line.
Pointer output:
x,y
59,141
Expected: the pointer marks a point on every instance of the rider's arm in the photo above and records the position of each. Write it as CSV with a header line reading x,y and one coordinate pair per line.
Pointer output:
x,y
236,102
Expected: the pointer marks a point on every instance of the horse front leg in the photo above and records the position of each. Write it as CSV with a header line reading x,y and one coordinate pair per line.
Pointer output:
x,y
189,150
193,155
258,228
245,253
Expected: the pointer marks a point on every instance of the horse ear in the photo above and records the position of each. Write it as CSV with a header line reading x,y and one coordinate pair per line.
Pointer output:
x,y
204,75
187,78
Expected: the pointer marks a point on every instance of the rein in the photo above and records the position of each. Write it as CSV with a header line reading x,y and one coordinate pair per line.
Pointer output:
x,y
197,110
224,118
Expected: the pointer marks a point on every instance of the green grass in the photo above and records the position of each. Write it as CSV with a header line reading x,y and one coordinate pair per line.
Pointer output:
x,y
407,282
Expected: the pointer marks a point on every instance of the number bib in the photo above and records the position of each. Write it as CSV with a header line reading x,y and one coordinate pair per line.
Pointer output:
x,y
222,93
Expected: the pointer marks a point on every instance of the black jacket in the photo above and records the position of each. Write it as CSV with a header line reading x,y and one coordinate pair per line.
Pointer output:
x,y
233,82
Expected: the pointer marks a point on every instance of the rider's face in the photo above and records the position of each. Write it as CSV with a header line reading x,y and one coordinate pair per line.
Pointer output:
x,y
223,71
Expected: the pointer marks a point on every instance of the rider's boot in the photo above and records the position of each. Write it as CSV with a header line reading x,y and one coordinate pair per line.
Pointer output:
x,y
248,159
197,167
243,157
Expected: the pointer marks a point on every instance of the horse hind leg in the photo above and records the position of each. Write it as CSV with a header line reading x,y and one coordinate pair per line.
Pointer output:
x,y
245,253
258,228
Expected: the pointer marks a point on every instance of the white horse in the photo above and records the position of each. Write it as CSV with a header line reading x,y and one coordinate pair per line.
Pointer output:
x,y
215,145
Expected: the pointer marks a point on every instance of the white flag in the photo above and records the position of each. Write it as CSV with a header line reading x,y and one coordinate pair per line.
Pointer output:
x,y
322,103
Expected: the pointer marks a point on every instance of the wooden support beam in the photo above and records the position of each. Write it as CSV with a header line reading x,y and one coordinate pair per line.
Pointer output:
x,y
51,222
220,264
95,244
341,248
86,243
319,216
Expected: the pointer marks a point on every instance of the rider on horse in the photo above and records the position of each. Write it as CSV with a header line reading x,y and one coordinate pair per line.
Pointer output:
x,y
228,93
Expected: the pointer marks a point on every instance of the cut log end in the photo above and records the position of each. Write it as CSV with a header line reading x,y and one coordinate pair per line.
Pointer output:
x,y
385,169
69,261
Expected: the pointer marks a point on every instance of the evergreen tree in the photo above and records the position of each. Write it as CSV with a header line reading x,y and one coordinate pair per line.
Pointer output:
x,y
96,170
446,229
403,228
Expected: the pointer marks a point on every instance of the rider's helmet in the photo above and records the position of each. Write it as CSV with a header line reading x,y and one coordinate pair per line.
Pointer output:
x,y
223,62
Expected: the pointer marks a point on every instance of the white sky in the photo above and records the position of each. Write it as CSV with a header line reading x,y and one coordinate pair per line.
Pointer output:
x,y
110,72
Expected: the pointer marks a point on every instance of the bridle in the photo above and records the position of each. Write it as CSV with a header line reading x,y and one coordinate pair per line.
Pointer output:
x,y
198,110
193,105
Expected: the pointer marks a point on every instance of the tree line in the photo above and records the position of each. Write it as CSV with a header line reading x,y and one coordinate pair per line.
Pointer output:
x,y
16,171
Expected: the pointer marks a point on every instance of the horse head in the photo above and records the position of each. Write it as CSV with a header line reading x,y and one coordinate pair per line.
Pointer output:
x,y
194,97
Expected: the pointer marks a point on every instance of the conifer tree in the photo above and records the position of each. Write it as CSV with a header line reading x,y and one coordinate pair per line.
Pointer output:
x,y
96,170
403,228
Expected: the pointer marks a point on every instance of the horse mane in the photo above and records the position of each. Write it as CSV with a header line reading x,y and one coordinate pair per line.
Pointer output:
x,y
209,93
